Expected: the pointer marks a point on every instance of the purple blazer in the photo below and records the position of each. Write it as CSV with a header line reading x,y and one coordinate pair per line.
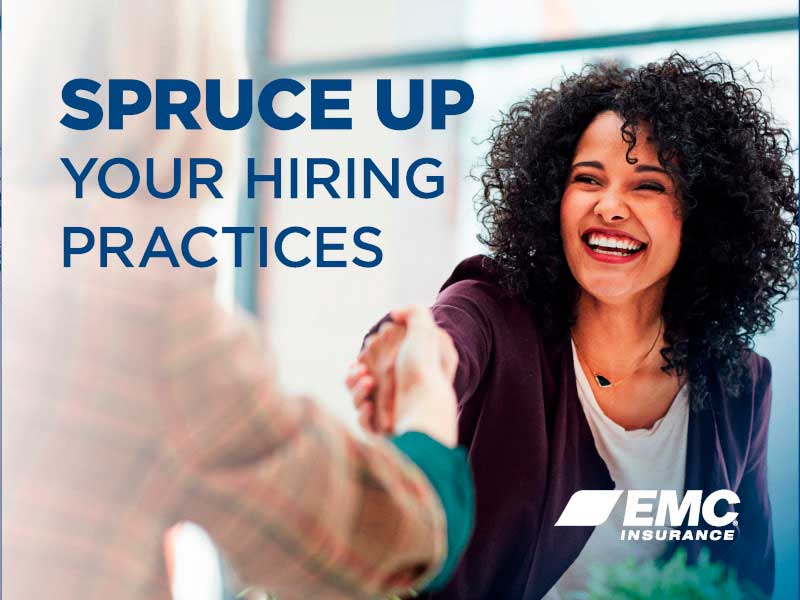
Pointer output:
x,y
531,448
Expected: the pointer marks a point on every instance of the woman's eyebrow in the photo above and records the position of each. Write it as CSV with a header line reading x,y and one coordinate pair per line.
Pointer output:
x,y
596,164
588,163
654,168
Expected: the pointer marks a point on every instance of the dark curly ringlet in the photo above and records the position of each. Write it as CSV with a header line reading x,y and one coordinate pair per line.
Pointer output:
x,y
729,161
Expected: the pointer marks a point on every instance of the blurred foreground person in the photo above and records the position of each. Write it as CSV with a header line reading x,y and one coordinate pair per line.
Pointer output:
x,y
133,401
177,417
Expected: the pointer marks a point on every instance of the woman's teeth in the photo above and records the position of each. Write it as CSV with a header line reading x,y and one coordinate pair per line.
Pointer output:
x,y
613,246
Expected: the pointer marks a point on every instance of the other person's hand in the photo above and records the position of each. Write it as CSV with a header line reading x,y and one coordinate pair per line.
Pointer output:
x,y
403,378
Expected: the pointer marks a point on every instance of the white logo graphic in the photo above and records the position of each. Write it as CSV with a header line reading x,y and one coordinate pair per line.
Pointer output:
x,y
654,509
588,508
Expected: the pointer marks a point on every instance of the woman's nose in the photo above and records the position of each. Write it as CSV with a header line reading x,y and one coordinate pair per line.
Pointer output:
x,y
612,207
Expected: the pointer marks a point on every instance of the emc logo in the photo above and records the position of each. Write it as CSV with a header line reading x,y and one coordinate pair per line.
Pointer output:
x,y
649,508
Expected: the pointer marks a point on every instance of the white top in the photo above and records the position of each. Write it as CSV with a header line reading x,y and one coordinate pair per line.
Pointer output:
x,y
642,459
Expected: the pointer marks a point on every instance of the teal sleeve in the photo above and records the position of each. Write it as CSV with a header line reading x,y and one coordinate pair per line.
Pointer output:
x,y
448,471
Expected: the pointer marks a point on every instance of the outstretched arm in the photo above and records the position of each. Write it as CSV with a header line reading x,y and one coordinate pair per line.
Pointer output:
x,y
297,504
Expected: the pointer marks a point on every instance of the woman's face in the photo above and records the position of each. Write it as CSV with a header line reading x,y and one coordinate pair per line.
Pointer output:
x,y
620,222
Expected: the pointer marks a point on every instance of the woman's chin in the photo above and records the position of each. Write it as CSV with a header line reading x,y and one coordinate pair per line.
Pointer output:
x,y
620,289
613,290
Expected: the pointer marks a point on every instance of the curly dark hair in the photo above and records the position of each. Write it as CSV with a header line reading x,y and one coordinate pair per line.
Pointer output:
x,y
729,161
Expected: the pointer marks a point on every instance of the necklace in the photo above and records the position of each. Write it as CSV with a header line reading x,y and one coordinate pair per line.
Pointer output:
x,y
605,382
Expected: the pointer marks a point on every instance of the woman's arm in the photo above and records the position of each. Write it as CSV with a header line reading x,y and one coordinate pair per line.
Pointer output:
x,y
461,310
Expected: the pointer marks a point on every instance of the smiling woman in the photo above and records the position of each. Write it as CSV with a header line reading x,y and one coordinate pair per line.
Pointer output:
x,y
640,228
619,210
621,227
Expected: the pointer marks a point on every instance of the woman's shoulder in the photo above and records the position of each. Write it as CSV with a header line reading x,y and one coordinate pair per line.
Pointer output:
x,y
478,268
474,294
760,382
743,418
755,383
759,367
476,279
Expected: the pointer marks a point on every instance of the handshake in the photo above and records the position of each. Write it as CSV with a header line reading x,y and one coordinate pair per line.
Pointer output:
x,y
403,378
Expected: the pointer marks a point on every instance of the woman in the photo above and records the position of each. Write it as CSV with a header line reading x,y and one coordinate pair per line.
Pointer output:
x,y
639,222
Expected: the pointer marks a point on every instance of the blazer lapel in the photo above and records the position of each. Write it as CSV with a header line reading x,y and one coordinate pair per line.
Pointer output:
x,y
705,470
575,465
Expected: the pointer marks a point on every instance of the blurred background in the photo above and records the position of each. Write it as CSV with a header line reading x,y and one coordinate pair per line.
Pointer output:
x,y
315,318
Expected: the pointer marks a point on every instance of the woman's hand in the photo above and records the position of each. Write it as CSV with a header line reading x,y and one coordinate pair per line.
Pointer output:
x,y
374,402
403,378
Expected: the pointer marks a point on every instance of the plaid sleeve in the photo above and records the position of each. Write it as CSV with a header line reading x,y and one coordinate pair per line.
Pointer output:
x,y
296,503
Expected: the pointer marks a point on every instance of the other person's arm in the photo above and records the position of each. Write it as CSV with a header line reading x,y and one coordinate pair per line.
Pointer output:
x,y
295,502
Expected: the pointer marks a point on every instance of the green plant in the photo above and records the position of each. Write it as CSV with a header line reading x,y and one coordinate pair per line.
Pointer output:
x,y
668,580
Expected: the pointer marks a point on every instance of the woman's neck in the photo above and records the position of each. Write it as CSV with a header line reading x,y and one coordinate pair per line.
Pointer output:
x,y
614,336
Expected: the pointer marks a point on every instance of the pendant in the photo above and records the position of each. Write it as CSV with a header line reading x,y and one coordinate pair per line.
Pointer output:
x,y
602,381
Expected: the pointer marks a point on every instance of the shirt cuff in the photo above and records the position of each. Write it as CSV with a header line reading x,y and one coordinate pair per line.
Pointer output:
x,y
449,473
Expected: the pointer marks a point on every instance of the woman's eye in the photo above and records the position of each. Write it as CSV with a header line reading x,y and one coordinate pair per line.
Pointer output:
x,y
584,179
654,187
